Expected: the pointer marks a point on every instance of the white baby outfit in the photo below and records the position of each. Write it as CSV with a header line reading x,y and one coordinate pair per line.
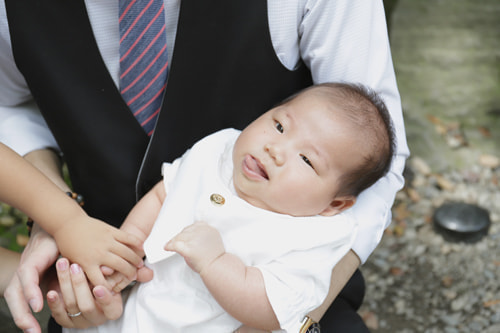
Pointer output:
x,y
294,254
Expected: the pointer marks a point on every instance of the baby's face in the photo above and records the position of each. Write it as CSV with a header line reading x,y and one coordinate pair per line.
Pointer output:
x,y
289,160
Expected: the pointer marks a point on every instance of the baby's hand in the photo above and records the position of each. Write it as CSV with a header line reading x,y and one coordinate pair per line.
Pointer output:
x,y
117,281
200,244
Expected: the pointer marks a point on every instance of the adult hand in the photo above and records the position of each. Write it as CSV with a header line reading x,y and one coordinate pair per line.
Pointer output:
x,y
24,294
75,305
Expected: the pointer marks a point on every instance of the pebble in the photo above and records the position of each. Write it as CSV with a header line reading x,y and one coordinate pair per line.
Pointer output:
x,y
489,161
419,281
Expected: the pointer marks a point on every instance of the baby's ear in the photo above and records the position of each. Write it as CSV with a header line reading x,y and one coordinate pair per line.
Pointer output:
x,y
338,205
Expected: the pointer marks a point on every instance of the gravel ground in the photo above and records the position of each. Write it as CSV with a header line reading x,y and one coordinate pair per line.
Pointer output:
x,y
419,282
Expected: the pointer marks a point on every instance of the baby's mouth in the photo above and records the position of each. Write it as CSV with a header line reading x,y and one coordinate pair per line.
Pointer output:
x,y
254,169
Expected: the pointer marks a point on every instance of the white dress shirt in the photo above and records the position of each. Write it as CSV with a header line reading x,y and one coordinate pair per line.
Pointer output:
x,y
339,40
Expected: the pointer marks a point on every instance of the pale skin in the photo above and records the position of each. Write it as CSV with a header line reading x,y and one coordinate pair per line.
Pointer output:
x,y
284,152
10,260
256,311
24,293
26,188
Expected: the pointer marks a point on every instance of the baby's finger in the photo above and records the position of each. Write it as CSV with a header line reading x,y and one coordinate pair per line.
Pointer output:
x,y
120,265
144,274
113,279
118,282
130,240
124,283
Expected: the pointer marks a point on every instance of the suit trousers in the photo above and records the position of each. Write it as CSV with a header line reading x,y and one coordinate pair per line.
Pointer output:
x,y
342,315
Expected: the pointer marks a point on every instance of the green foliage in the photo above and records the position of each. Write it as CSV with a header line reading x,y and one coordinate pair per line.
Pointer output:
x,y
12,228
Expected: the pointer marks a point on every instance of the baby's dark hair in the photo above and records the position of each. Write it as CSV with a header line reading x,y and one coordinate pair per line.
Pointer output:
x,y
369,115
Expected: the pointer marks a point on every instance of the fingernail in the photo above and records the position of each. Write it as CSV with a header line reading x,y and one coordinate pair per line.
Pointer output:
x,y
29,330
51,298
99,293
62,265
75,268
34,305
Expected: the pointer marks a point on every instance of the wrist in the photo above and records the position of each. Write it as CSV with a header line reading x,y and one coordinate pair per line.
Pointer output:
x,y
78,198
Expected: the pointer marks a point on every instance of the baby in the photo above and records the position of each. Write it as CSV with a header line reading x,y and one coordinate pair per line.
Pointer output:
x,y
251,216
252,225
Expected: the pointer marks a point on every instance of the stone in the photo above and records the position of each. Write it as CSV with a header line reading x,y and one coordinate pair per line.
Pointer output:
x,y
457,221
489,161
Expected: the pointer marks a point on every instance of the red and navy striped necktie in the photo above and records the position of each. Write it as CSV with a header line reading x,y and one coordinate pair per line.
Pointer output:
x,y
143,58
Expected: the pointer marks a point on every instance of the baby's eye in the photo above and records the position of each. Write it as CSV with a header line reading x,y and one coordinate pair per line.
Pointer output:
x,y
305,159
279,127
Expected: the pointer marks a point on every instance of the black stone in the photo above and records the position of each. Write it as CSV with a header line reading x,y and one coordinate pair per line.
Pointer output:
x,y
457,222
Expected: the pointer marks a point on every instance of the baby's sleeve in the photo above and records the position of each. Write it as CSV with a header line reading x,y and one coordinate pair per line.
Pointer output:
x,y
298,282
169,171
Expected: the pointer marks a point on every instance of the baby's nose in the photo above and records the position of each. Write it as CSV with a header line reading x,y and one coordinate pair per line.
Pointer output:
x,y
276,152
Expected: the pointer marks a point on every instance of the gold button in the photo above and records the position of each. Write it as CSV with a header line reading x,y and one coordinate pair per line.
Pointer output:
x,y
217,199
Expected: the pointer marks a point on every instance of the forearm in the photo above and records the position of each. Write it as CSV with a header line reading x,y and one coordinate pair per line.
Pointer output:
x,y
27,189
141,218
49,163
341,273
240,290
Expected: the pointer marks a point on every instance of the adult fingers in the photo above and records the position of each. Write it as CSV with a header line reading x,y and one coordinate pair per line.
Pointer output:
x,y
40,253
29,279
75,306
19,307
110,303
58,309
92,315
68,295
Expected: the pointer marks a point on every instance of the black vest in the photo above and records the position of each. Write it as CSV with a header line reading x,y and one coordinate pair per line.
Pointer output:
x,y
224,73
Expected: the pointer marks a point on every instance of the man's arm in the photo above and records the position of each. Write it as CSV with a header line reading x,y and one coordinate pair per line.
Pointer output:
x,y
341,273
